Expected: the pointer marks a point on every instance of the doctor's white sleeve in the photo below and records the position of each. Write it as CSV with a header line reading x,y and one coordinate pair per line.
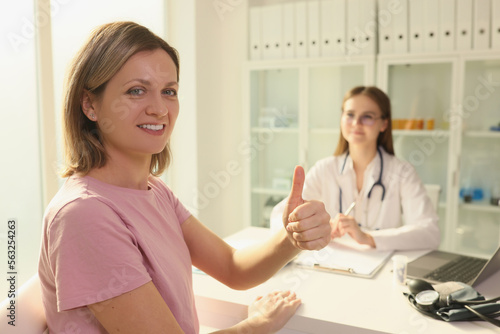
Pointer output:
x,y
420,229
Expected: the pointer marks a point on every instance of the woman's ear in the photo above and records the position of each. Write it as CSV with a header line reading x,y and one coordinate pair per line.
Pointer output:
x,y
88,105
385,124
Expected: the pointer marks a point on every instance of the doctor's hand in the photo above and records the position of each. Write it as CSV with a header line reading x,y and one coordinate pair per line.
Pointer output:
x,y
343,224
307,223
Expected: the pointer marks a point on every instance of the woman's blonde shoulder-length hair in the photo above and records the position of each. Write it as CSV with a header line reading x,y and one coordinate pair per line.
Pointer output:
x,y
100,58
384,139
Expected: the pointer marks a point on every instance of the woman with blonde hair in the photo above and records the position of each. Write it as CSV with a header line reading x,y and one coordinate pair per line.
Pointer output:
x,y
117,245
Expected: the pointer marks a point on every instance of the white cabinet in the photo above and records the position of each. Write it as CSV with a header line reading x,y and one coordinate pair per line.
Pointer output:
x,y
460,93
477,227
423,89
450,101
293,109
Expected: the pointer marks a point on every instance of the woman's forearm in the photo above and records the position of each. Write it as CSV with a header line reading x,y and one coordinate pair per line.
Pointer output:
x,y
256,264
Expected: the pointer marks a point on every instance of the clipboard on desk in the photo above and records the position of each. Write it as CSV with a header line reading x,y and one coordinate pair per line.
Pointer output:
x,y
345,256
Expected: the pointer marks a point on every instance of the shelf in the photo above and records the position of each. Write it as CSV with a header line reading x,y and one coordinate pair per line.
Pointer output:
x,y
270,191
275,130
480,55
319,131
434,57
421,133
416,133
417,58
482,134
263,64
480,207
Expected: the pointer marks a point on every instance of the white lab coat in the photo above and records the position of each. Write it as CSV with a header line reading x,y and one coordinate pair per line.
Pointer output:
x,y
405,200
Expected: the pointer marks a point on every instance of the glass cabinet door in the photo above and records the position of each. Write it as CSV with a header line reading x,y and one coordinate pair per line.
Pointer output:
x,y
478,219
327,87
420,92
421,97
294,119
481,96
478,227
274,148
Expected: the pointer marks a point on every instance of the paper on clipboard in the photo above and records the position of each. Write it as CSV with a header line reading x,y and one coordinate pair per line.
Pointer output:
x,y
345,256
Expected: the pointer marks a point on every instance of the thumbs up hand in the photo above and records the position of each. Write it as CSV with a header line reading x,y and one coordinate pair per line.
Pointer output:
x,y
307,223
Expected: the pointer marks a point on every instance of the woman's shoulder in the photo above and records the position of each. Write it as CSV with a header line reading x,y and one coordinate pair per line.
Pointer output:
x,y
156,181
398,167
73,188
392,158
76,199
163,192
160,188
328,164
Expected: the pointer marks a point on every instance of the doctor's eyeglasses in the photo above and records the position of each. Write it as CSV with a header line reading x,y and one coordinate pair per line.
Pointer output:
x,y
364,119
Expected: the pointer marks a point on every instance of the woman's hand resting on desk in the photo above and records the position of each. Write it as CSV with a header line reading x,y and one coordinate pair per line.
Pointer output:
x,y
307,223
270,313
342,224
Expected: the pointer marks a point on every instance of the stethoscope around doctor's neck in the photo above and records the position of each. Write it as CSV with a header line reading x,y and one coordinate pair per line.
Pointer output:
x,y
377,183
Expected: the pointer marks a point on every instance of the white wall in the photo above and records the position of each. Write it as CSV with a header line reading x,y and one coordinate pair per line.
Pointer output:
x,y
183,173
20,175
221,49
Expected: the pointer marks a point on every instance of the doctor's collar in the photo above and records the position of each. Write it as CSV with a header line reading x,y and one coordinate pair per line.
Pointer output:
x,y
347,164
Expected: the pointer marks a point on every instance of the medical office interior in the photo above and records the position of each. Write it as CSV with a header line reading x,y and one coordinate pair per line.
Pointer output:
x,y
262,83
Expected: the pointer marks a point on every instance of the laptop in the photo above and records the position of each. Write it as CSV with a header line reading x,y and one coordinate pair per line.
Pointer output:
x,y
439,267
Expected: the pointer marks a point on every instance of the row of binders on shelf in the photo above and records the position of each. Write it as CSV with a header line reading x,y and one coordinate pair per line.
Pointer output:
x,y
329,28
312,28
438,25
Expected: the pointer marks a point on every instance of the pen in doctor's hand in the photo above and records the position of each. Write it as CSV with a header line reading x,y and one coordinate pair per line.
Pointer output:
x,y
349,209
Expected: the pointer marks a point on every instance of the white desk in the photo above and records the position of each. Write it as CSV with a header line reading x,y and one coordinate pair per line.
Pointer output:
x,y
331,303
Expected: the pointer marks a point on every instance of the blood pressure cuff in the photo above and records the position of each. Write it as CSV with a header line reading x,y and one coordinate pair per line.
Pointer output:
x,y
451,304
462,292
457,314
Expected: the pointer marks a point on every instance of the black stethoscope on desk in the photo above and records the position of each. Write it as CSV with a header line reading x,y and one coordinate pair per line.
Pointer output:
x,y
378,183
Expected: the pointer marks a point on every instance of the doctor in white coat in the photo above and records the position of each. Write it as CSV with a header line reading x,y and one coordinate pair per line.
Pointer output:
x,y
392,209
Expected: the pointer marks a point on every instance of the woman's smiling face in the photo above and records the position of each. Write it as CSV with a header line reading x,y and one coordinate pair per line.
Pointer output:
x,y
137,110
362,120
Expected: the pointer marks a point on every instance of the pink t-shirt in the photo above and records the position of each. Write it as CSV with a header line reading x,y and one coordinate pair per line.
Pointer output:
x,y
100,241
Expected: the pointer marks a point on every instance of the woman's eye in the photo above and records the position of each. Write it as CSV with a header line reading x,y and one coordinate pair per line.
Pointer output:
x,y
136,91
367,117
170,92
